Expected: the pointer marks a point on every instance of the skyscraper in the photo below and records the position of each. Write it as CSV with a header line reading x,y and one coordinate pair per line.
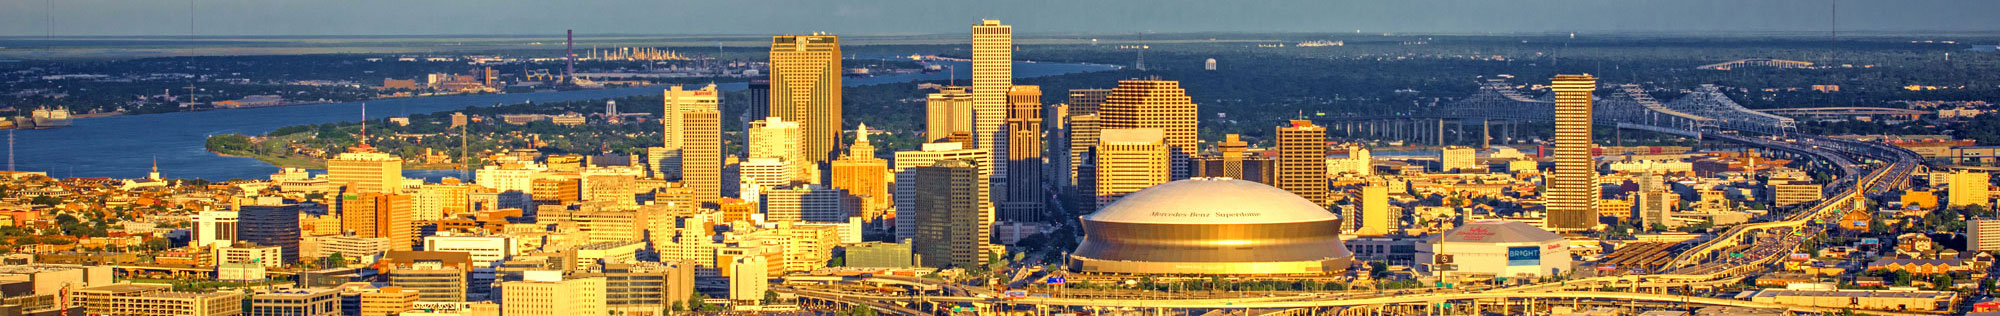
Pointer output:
x,y
363,170
773,137
1086,101
949,210
930,154
1572,185
677,102
1083,132
1970,188
272,224
863,175
992,79
379,215
1160,104
805,202
1302,161
701,152
1128,160
947,111
805,88
1024,200
759,96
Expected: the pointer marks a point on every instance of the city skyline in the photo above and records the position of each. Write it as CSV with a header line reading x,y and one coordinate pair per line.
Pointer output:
x,y
518,17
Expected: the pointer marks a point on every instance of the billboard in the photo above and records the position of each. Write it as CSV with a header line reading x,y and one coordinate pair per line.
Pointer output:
x,y
1524,256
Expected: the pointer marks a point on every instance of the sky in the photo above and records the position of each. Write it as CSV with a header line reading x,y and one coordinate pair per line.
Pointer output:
x,y
890,17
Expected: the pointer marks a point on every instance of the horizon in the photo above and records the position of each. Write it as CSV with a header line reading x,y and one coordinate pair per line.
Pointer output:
x,y
884,17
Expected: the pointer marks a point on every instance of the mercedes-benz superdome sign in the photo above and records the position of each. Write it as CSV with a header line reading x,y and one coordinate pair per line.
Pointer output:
x,y
1524,256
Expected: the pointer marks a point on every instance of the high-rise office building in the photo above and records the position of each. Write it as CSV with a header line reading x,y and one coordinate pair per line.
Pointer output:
x,y
929,154
272,224
773,137
1232,160
677,101
759,96
364,170
1024,200
949,208
701,153
863,176
750,278
1458,159
946,112
1302,161
1128,160
436,201
992,78
1377,216
1572,185
804,202
1970,188
805,88
1159,104
1656,208
378,215
1082,133
1086,101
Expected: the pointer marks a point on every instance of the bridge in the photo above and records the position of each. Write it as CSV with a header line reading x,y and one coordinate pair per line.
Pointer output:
x,y
1627,106
1843,112
1318,302
1756,62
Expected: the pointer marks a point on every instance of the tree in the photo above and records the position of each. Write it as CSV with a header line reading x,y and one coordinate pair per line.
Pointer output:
x,y
856,310
335,260
770,296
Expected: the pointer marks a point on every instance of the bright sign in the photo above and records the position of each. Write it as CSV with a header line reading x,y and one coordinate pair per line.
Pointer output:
x,y
1524,256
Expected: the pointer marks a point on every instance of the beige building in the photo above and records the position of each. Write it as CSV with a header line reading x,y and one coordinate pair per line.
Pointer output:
x,y
1459,159
749,281
701,154
946,112
805,88
435,201
676,102
1970,188
363,170
930,154
384,301
1157,104
548,293
155,300
863,176
775,138
1572,186
1129,160
1791,194
1302,161
297,302
1377,216
992,78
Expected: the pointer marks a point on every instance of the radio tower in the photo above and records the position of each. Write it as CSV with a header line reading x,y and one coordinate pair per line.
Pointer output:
x,y
569,55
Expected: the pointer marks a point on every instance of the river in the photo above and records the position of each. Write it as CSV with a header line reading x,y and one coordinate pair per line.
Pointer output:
x,y
126,146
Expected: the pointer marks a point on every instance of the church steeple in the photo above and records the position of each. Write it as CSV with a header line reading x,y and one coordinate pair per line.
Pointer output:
x,y
155,175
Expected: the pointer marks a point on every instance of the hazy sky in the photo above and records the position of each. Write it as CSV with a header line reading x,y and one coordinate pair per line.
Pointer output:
x,y
856,17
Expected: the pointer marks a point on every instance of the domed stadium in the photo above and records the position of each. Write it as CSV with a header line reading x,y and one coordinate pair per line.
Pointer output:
x,y
1211,226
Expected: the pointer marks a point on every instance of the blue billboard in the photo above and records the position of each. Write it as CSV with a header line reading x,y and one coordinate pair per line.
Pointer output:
x,y
1524,256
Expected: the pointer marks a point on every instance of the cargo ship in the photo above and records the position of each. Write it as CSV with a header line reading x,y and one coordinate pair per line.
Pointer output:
x,y
44,118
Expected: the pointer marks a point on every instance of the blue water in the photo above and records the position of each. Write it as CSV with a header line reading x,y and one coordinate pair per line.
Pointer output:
x,y
125,146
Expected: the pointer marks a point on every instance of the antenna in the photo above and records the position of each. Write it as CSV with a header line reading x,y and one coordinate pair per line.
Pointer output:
x,y
10,150
364,124
190,18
